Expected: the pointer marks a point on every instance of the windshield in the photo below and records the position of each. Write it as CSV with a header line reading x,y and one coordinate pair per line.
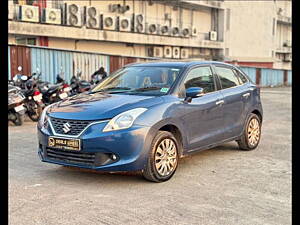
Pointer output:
x,y
140,81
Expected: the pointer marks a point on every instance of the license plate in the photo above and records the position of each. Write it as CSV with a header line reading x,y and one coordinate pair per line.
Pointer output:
x,y
19,108
38,98
67,89
64,143
63,95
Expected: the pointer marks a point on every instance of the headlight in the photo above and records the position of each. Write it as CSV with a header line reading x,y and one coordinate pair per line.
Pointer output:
x,y
44,117
123,120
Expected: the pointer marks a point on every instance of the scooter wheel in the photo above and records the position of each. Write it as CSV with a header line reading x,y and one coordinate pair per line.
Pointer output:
x,y
19,119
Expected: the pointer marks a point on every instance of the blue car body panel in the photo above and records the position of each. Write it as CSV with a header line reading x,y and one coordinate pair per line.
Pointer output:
x,y
201,123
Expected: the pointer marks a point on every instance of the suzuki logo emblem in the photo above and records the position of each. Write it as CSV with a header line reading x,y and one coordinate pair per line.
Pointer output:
x,y
66,127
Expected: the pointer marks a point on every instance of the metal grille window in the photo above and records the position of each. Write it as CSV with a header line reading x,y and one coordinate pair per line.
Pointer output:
x,y
56,4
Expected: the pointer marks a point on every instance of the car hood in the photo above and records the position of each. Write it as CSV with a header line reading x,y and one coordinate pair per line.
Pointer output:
x,y
99,106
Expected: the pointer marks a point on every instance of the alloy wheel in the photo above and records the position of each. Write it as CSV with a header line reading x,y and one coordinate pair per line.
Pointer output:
x,y
253,132
166,157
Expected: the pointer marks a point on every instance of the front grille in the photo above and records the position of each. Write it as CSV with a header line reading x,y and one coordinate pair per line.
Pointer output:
x,y
76,126
80,158
71,157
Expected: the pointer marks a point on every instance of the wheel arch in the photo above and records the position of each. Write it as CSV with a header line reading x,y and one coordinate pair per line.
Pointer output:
x,y
177,133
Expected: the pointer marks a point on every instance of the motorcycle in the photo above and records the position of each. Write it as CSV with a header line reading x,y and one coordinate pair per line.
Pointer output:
x,y
19,79
78,85
53,92
16,109
33,100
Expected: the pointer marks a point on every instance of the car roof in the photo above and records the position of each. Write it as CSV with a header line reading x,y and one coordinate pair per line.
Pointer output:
x,y
174,63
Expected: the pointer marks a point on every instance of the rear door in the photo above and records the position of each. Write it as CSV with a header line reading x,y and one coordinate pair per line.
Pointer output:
x,y
204,115
233,106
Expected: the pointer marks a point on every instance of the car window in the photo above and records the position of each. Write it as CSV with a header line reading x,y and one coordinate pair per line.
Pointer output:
x,y
241,77
227,77
200,77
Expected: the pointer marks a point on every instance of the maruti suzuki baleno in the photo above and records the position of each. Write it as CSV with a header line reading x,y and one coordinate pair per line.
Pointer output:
x,y
144,117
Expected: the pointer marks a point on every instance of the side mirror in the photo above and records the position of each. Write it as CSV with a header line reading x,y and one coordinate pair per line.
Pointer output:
x,y
193,92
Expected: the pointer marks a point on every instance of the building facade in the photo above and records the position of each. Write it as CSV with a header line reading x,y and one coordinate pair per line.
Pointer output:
x,y
164,29
259,33
250,33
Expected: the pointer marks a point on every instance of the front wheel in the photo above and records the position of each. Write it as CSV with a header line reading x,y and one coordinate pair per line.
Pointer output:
x,y
34,111
251,135
163,158
19,119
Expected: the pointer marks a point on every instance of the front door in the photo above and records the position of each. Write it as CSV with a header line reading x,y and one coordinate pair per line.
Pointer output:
x,y
204,115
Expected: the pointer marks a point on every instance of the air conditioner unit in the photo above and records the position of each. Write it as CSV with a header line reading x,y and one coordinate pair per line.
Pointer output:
x,y
73,15
11,10
176,52
156,52
152,28
175,31
139,23
186,32
287,43
194,31
124,24
165,30
287,58
51,16
184,53
108,22
213,35
168,52
92,18
29,13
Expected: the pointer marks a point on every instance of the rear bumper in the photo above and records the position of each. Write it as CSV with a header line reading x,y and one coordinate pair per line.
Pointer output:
x,y
123,150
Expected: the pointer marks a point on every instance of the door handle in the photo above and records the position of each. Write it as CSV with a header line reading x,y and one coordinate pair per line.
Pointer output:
x,y
220,102
246,95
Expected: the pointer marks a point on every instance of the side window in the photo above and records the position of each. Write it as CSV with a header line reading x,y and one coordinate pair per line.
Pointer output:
x,y
200,77
227,77
241,76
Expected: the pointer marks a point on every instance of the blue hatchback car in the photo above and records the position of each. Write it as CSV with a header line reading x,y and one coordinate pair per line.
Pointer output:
x,y
144,117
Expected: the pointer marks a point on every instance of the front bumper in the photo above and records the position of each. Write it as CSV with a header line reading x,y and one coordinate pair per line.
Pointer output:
x,y
123,150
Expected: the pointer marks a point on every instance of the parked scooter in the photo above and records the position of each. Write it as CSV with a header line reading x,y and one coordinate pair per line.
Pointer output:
x,y
53,92
78,85
19,79
34,99
16,109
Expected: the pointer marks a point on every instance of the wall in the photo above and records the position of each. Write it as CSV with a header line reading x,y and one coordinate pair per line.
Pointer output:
x,y
250,32
268,77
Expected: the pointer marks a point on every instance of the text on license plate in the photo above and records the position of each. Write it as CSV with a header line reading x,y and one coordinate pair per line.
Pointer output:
x,y
63,95
38,97
19,108
67,89
62,143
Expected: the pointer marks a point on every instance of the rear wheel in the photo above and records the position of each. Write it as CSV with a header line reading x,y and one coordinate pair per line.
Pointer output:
x,y
19,119
163,158
251,135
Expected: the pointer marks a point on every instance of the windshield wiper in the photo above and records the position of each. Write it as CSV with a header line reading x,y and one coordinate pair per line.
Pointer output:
x,y
111,88
147,88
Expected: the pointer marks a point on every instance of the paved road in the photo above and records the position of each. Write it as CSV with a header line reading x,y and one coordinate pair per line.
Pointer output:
x,y
218,186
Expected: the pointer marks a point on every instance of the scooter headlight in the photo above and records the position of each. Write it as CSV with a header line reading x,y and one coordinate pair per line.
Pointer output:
x,y
123,120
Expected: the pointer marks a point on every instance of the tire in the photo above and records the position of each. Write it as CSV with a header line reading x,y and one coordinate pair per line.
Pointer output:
x,y
19,119
34,112
245,143
164,152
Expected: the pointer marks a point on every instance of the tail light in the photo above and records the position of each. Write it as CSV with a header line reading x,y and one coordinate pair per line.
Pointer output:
x,y
65,85
36,93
